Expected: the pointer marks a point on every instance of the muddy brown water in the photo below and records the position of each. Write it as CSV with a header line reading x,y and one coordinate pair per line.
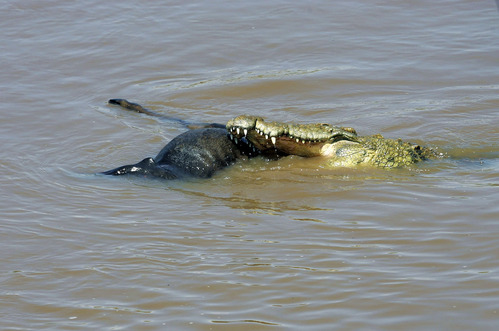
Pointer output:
x,y
263,245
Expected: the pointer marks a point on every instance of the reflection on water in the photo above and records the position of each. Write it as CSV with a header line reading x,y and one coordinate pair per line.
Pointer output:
x,y
284,244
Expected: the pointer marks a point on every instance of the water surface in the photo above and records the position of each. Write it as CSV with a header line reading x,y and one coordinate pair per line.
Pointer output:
x,y
261,245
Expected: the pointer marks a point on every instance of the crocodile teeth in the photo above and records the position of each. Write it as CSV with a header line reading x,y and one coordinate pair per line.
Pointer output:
x,y
266,136
273,140
237,130
297,140
245,132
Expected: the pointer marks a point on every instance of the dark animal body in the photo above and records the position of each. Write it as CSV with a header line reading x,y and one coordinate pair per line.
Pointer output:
x,y
199,152
209,147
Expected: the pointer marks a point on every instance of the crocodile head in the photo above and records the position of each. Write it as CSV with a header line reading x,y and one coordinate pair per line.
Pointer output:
x,y
341,146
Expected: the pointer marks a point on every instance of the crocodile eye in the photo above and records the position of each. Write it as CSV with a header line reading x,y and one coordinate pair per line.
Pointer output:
x,y
349,129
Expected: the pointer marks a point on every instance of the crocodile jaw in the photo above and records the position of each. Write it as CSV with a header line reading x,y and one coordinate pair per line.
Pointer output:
x,y
307,140
285,145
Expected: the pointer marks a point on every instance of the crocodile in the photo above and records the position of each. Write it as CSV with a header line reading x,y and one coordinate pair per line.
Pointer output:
x,y
338,146
209,147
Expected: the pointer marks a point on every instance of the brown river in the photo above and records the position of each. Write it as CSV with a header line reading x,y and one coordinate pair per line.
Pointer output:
x,y
262,245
